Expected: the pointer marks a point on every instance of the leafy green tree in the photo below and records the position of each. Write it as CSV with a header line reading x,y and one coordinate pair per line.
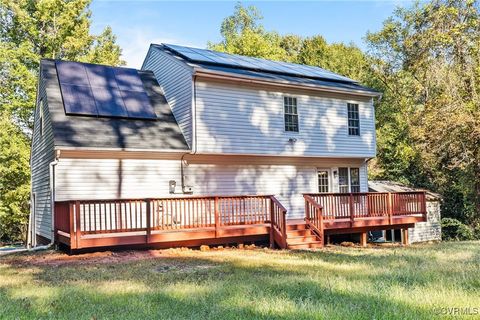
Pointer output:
x,y
428,59
243,34
14,180
29,31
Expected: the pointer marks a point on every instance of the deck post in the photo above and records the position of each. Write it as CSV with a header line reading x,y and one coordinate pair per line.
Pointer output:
x,y
405,237
77,224
272,242
363,239
352,217
73,241
424,205
216,212
149,221
390,209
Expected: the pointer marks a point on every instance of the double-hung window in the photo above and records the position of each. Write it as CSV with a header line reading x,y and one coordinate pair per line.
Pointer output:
x,y
353,119
349,180
291,114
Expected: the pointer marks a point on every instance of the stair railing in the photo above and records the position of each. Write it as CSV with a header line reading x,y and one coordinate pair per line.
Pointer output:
x,y
278,220
313,216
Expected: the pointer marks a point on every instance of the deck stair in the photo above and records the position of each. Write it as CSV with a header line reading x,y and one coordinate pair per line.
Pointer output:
x,y
300,237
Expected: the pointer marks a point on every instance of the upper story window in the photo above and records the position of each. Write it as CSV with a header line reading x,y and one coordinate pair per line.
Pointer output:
x,y
291,114
349,180
353,119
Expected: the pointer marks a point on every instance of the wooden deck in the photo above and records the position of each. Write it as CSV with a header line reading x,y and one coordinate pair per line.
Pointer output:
x,y
194,221
337,213
170,222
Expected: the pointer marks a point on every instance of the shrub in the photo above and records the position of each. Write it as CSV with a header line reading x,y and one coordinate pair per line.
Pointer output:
x,y
452,229
476,231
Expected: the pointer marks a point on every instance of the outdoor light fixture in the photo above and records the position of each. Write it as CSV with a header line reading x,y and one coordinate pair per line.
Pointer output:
x,y
171,186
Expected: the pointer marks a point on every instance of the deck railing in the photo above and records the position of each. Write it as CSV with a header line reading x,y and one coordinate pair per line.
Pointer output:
x,y
75,219
278,220
369,205
314,216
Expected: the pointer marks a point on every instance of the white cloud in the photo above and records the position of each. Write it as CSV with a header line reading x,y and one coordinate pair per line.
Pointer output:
x,y
136,41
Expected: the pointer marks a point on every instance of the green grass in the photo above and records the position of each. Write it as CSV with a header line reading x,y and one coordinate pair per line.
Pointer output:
x,y
335,283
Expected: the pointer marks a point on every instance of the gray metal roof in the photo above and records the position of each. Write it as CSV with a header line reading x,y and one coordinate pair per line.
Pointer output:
x,y
392,186
286,72
75,131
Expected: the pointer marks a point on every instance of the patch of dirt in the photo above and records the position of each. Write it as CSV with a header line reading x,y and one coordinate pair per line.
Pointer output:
x,y
56,258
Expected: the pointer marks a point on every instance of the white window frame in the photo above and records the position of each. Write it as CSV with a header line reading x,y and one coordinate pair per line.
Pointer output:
x,y
329,180
348,120
284,114
349,178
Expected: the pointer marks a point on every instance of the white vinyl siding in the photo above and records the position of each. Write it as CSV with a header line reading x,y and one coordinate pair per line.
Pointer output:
x,y
175,79
79,179
247,119
42,154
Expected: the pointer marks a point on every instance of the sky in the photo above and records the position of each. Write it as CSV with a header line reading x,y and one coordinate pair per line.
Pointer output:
x,y
194,23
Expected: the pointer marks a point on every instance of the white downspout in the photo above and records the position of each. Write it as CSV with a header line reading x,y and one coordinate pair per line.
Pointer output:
x,y
52,197
194,133
33,230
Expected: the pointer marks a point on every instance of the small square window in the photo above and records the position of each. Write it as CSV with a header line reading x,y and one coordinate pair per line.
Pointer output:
x,y
291,114
353,119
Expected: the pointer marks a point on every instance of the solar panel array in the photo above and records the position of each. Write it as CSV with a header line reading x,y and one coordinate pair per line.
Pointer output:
x,y
96,90
257,64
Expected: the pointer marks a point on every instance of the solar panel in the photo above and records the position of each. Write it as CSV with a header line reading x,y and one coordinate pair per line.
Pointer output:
x,y
100,76
109,102
257,64
72,73
97,90
135,102
128,79
78,99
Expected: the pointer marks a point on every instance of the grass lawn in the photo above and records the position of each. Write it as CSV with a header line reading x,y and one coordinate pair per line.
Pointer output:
x,y
334,283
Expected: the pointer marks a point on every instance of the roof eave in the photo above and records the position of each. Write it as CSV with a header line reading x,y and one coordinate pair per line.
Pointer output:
x,y
283,83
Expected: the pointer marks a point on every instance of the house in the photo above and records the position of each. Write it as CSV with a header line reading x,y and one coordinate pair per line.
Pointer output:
x,y
202,147
429,230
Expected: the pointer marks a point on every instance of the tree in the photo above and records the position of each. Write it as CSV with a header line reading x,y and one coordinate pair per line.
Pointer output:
x,y
428,59
243,34
29,31
14,181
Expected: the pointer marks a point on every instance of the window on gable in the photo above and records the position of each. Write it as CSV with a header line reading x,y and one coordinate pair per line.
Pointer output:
x,y
41,117
291,114
353,119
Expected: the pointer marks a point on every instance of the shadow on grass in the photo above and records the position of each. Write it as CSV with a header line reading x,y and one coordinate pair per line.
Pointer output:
x,y
261,285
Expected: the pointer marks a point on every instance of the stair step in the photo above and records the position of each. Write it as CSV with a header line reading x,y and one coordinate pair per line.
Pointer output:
x,y
301,239
296,233
306,245
296,226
